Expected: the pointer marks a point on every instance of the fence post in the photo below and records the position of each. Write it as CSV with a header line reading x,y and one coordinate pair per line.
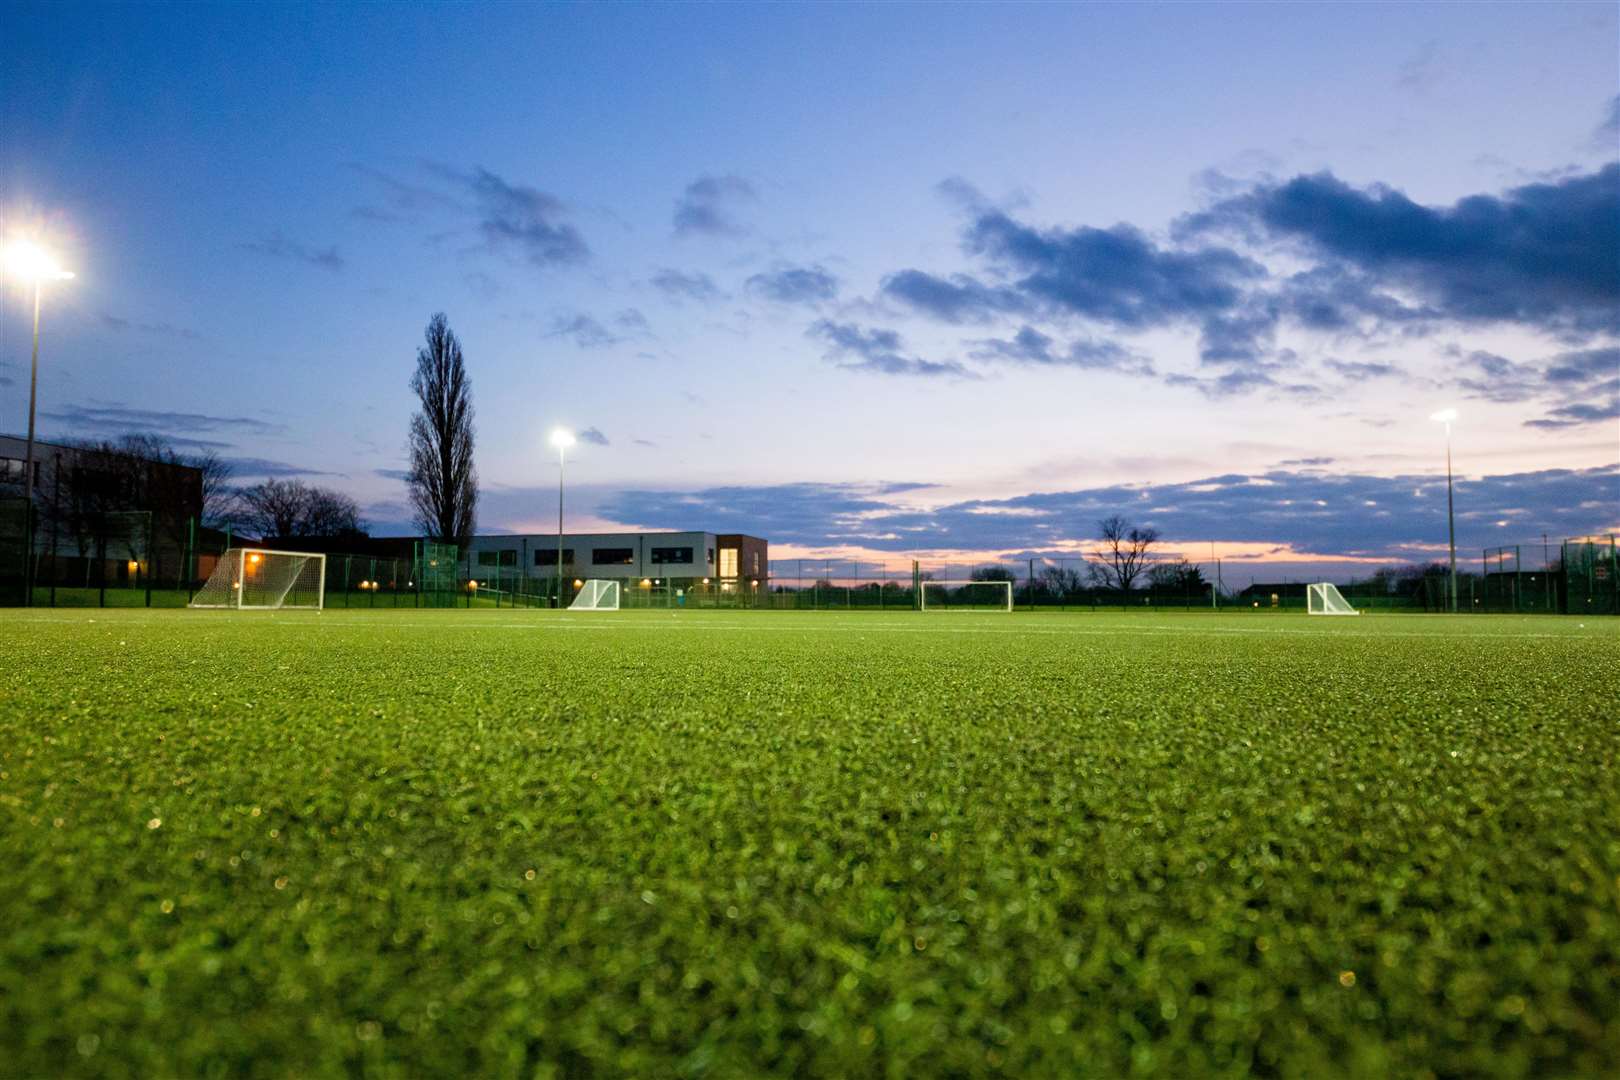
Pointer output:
x,y
151,556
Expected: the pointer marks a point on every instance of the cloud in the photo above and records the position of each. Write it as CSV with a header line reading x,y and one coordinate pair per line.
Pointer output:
x,y
1311,510
583,330
393,474
1541,254
104,419
516,218
878,351
679,285
253,468
708,204
1609,129
1420,72
157,329
795,284
1577,387
277,245
956,299
593,436
1030,346
1362,370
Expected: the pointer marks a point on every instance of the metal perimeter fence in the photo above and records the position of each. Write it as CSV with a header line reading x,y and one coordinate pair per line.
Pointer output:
x,y
133,559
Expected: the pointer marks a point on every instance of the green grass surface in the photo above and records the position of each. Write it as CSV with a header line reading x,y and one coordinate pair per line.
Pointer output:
x,y
450,843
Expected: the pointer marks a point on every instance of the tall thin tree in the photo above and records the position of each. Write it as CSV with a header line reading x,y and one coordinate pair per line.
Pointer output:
x,y
443,482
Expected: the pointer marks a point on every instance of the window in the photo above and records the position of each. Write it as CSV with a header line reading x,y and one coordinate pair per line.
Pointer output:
x,y
710,560
728,562
672,555
613,556
509,557
755,557
488,558
548,556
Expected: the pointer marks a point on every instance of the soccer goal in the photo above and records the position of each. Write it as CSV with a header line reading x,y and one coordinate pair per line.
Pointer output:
x,y
967,596
1324,599
259,579
596,595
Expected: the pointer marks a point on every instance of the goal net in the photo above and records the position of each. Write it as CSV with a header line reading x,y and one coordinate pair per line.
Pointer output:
x,y
967,596
597,595
1324,599
255,578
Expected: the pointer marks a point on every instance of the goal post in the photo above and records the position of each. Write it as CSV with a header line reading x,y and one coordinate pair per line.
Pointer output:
x,y
966,595
247,579
1324,598
597,595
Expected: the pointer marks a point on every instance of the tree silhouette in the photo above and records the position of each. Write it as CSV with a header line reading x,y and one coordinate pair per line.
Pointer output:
x,y
443,483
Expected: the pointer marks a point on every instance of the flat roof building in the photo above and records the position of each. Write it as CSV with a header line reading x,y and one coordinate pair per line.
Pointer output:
x,y
679,556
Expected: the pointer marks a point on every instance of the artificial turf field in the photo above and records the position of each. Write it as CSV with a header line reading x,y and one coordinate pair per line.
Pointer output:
x,y
497,843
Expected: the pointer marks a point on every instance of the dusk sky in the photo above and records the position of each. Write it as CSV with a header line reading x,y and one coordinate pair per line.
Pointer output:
x,y
910,280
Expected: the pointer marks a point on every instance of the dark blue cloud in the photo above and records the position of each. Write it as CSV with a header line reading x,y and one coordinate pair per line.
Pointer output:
x,y
1117,276
879,351
957,299
681,285
1542,254
1309,510
795,284
279,246
708,205
593,436
1030,346
104,419
521,219
583,330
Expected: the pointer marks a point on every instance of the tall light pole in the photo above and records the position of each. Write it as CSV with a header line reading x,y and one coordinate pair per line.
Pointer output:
x,y
562,439
1448,417
32,264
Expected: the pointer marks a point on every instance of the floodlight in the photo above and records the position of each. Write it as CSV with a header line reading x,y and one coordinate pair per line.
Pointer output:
x,y
562,438
1444,416
30,262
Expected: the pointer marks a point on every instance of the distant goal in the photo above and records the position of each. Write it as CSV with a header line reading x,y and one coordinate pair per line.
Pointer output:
x,y
966,596
1324,598
249,579
596,595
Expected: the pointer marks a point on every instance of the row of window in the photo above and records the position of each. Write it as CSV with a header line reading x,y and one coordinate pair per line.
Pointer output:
x,y
599,556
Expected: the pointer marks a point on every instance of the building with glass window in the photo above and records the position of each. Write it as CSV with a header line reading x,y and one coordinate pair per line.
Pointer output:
x,y
661,557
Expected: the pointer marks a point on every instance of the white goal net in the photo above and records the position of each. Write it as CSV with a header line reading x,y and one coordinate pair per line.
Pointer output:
x,y
597,596
1324,599
256,578
967,596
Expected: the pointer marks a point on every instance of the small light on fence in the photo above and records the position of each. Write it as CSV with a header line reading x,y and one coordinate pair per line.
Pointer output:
x,y
134,565
655,581
254,558
705,581
646,583
472,586
578,584
753,583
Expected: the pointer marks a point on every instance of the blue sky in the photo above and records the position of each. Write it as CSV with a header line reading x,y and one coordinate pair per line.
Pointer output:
x,y
904,279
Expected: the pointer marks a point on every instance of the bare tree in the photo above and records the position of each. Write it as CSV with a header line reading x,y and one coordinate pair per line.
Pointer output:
x,y
218,496
288,508
443,482
1180,575
1125,552
1060,580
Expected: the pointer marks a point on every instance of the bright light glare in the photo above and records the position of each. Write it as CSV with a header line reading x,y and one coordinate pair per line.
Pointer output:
x,y
562,438
30,262
1444,416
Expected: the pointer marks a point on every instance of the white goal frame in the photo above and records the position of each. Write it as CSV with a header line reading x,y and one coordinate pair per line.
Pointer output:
x,y
922,595
594,594
1324,598
234,563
